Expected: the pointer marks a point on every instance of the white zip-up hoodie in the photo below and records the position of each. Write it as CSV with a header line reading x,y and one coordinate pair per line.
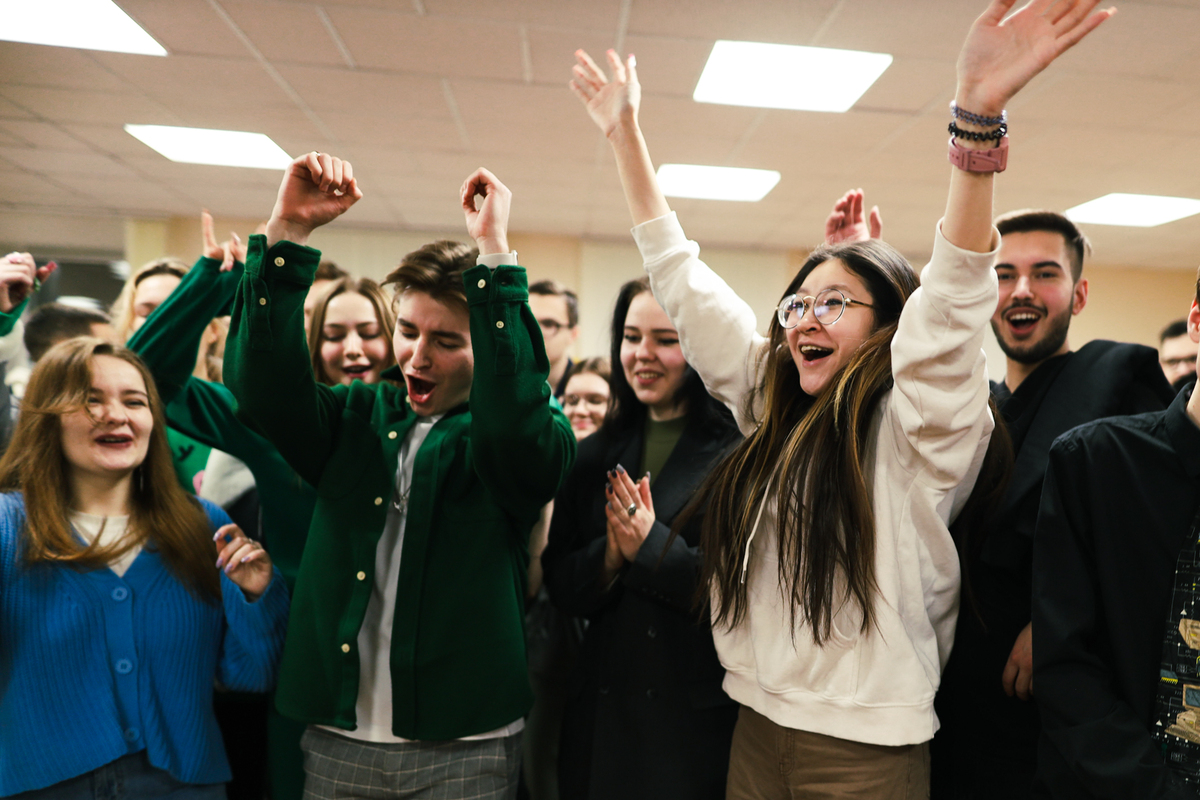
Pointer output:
x,y
923,454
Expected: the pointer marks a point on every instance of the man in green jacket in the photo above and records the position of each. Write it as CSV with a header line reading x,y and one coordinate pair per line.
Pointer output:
x,y
405,650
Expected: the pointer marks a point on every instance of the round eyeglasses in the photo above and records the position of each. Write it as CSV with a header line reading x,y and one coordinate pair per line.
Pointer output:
x,y
827,307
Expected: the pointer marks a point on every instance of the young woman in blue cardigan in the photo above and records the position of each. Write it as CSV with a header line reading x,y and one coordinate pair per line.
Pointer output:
x,y
114,622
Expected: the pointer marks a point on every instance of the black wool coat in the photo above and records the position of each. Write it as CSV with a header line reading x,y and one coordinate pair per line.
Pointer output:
x,y
646,716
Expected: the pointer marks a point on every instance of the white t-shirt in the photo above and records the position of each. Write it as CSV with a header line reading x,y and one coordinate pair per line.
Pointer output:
x,y
108,530
373,709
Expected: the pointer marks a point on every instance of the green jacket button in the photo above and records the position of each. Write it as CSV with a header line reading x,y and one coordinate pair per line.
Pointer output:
x,y
262,301
391,434
362,576
482,283
378,501
345,648
499,323
279,261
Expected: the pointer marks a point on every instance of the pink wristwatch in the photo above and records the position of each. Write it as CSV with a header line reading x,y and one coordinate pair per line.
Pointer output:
x,y
994,160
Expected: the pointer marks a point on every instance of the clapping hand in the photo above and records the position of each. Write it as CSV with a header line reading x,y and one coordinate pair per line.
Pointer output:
x,y
317,188
488,224
244,560
845,223
629,511
228,252
18,274
1001,55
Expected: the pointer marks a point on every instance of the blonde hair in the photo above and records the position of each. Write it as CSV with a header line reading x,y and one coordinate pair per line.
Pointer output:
x,y
122,309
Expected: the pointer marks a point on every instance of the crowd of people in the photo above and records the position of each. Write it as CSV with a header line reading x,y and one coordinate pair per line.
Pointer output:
x,y
269,529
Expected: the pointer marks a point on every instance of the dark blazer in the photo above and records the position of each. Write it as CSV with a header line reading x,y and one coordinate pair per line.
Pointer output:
x,y
646,715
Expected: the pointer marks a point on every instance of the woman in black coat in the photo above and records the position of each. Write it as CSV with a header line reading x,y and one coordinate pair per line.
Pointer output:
x,y
646,715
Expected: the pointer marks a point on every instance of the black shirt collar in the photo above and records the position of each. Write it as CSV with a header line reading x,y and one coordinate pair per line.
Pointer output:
x,y
1183,433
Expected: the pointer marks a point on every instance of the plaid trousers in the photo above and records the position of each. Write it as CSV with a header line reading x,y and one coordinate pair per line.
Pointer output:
x,y
341,768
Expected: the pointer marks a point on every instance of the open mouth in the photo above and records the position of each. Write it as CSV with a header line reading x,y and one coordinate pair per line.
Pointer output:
x,y
811,353
419,390
1022,320
356,370
646,377
114,439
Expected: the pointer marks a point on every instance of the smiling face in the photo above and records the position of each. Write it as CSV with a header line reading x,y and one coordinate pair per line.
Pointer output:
x,y
652,358
109,438
353,345
584,402
820,351
433,350
1038,296
149,295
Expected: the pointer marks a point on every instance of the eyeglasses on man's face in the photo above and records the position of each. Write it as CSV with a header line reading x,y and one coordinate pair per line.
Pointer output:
x,y
550,327
827,307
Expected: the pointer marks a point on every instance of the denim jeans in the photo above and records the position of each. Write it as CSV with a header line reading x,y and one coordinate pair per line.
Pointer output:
x,y
127,778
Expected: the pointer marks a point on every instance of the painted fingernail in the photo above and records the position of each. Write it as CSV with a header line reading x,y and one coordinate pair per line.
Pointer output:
x,y
216,536
244,560
620,469
220,563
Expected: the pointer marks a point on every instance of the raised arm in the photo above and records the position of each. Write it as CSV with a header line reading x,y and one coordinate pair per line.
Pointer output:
x,y
717,329
19,279
510,399
267,363
998,58
170,338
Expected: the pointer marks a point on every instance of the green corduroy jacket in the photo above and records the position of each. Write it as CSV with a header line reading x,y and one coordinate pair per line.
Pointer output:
x,y
479,481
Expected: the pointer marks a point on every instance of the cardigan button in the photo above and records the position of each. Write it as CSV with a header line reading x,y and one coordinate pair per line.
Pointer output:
x,y
279,261
132,734
392,434
378,501
499,323
124,666
482,283
345,648
120,593
362,576
262,301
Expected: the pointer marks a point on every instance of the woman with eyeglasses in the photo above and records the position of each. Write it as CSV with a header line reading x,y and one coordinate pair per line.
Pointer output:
x,y
585,399
644,715
832,576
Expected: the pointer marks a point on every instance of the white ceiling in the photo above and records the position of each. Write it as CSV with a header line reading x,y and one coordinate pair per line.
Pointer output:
x,y
417,93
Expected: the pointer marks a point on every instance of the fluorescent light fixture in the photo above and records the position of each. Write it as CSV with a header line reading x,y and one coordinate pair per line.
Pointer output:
x,y
89,24
787,76
716,183
1134,210
208,146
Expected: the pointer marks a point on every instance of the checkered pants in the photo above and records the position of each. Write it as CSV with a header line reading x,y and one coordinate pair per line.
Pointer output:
x,y
340,768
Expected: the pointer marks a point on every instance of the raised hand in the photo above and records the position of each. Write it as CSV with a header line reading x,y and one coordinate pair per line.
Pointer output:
x,y
629,530
845,223
18,274
1000,56
245,561
227,252
609,103
488,224
317,188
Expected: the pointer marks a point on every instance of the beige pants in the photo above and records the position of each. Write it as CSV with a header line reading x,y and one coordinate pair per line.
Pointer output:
x,y
770,762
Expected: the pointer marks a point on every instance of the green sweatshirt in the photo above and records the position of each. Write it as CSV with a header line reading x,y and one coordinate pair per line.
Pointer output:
x,y
205,411
479,482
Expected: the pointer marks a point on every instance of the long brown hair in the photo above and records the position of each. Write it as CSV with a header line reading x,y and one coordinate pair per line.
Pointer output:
x,y
808,453
316,326
161,512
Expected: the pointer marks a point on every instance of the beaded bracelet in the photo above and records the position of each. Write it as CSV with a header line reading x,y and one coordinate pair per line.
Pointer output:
x,y
976,119
979,136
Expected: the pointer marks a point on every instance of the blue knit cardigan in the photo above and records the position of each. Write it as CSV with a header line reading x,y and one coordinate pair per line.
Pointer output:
x,y
94,667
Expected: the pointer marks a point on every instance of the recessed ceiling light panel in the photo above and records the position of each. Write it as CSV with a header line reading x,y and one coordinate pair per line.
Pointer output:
x,y
207,146
1134,210
87,24
787,76
716,183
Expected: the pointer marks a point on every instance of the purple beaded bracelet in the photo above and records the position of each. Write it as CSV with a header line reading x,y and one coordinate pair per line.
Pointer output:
x,y
976,119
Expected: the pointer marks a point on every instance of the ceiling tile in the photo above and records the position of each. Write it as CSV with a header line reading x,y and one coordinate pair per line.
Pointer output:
x,y
668,65
429,45
589,14
552,51
185,27
43,134
917,29
78,105
351,90
496,121
784,21
198,80
286,32
59,67
53,162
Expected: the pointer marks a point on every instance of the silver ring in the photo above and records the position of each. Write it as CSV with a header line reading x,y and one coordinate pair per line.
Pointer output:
x,y
632,509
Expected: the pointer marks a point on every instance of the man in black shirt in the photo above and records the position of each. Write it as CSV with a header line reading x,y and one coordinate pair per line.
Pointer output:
x,y
987,745
1119,501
